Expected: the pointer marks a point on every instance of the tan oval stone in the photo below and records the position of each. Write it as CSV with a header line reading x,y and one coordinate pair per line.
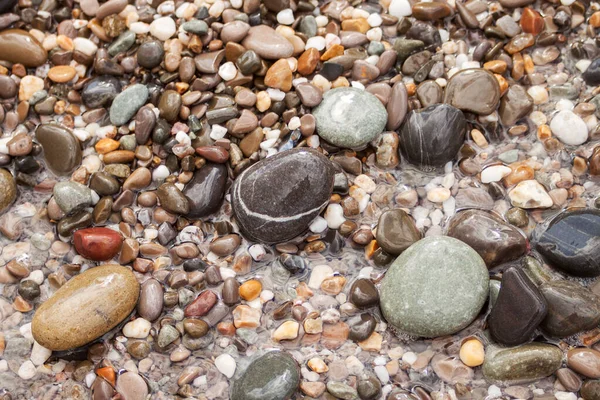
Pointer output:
x,y
18,46
61,73
86,307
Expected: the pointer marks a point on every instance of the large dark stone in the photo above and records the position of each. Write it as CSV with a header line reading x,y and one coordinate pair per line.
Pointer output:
x,y
592,73
62,151
277,198
572,243
7,5
206,190
396,231
518,311
432,136
273,376
494,240
100,91
572,308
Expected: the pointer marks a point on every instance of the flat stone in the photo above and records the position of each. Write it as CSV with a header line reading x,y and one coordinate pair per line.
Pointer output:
x,y
206,190
572,243
18,46
98,243
515,104
424,143
150,54
584,361
267,43
100,91
127,103
72,196
496,241
132,386
8,194
522,364
396,231
530,194
86,307
304,182
62,151
435,287
518,310
273,376
572,308
474,90
349,117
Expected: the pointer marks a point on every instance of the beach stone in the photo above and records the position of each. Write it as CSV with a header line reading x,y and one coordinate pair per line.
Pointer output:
x,y
62,151
150,54
127,103
363,293
396,231
515,104
473,90
518,310
7,5
121,43
363,328
151,300
496,241
304,182
424,144
169,105
349,117
435,287
572,243
98,243
86,307
584,361
590,390
591,76
8,194
572,308
274,375
18,46
72,196
522,364
172,199
132,386
100,91
206,190
530,194
426,11
267,43
195,26
569,128
8,87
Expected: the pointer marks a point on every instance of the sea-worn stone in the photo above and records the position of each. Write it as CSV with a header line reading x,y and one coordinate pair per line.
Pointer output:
x,y
572,308
530,194
98,243
424,144
19,46
396,231
127,103
206,190
515,104
86,307
62,151
72,196
522,364
518,310
304,182
267,43
274,375
435,287
362,329
592,73
8,194
473,90
172,199
584,361
363,293
150,54
349,117
572,242
151,300
100,91
494,240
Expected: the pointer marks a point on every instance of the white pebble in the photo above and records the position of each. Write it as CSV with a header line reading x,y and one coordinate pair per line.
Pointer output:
x,y
37,276
228,71
374,20
494,173
217,132
494,392
567,2
334,216
564,104
3,366
322,21
375,34
382,373
294,123
139,28
27,370
366,183
565,396
216,9
139,328
400,8
160,173
318,225
438,195
163,28
39,354
409,357
276,94
582,65
569,128
316,42
285,17
86,46
539,94
225,364
318,275
257,252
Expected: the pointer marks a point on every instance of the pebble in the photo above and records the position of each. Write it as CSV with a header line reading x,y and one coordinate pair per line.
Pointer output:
x,y
150,54
127,103
270,216
86,307
267,43
530,194
363,294
139,328
131,386
584,361
100,91
349,117
522,364
98,244
440,299
472,353
9,189
226,365
172,199
569,128
396,231
72,196
473,90
515,105
19,46
151,300
163,28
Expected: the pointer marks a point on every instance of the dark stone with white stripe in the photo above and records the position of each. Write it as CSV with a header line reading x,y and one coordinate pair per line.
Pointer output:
x,y
277,198
572,243
432,136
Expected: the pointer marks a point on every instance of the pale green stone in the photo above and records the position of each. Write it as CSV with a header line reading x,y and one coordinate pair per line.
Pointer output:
x,y
127,103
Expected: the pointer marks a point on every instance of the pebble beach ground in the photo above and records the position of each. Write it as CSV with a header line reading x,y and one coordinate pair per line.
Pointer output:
x,y
279,199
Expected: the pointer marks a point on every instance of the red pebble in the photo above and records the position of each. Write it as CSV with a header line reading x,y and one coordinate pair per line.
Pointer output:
x,y
215,154
98,244
202,305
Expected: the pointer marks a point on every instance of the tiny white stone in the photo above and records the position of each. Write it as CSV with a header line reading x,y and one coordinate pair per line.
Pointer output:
x,y
216,9
318,274
569,128
139,28
37,276
3,365
374,20
438,195
375,34
354,365
366,183
322,20
565,396
494,173
382,373
90,377
228,71
530,194
27,370
267,144
582,65
139,328
163,28
400,8
225,364
39,354
183,138
294,123
266,295
257,252
409,357
334,216
567,2
86,46
316,42
276,94
160,173
494,391
539,94
564,104
357,85
318,225
285,17
217,132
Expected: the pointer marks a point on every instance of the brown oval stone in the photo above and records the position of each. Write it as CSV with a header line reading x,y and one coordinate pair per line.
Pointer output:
x,y
86,307
18,46
475,90
62,151
584,361
98,244
61,73
431,11
531,21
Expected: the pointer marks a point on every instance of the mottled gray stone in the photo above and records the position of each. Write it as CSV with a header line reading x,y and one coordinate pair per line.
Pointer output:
x,y
72,196
127,103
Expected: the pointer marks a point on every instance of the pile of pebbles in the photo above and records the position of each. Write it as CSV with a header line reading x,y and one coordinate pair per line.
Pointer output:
x,y
299,199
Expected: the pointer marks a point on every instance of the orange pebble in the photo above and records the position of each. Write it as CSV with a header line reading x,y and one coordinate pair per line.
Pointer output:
x,y
61,73
250,290
226,328
108,373
106,145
